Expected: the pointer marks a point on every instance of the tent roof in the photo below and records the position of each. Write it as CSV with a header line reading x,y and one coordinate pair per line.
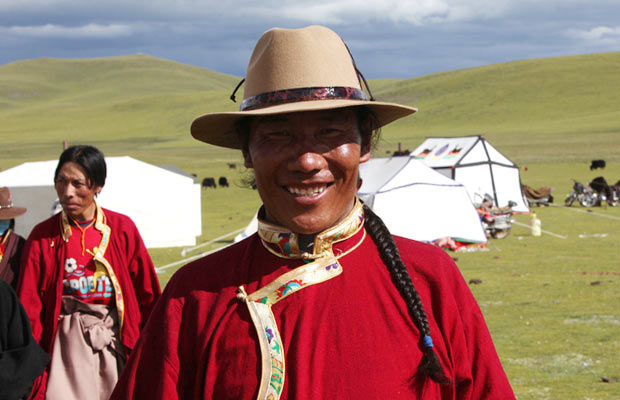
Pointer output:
x,y
164,205
384,174
41,173
441,152
418,202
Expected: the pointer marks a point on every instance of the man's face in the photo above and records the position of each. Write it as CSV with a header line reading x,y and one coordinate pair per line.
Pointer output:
x,y
306,166
74,192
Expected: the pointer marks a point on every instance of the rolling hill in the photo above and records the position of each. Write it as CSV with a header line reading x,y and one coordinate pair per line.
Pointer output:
x,y
552,110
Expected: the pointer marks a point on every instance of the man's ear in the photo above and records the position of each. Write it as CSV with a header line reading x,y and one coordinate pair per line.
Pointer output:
x,y
365,153
366,141
247,159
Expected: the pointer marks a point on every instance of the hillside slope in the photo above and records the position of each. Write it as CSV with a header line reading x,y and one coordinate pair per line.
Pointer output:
x,y
124,99
554,109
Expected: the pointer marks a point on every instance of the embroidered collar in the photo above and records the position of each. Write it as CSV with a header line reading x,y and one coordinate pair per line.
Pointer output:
x,y
284,243
99,222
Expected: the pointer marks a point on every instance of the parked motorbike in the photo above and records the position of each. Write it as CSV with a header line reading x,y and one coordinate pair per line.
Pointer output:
x,y
605,192
496,221
584,195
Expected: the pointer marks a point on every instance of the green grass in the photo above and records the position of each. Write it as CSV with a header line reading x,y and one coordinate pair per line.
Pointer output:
x,y
551,303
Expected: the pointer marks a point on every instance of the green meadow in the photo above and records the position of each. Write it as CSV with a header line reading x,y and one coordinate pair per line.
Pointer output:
x,y
552,303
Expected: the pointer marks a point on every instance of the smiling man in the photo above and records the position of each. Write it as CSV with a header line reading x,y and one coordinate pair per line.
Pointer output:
x,y
321,302
305,165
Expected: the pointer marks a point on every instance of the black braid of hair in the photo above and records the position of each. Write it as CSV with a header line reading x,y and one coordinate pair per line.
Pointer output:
x,y
384,241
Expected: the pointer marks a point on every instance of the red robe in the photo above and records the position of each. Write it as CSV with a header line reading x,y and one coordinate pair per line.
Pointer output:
x,y
40,281
9,264
348,337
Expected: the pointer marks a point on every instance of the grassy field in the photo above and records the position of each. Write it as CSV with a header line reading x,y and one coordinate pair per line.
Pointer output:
x,y
551,302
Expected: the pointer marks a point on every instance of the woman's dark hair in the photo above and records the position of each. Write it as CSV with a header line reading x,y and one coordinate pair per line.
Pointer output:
x,y
390,256
88,157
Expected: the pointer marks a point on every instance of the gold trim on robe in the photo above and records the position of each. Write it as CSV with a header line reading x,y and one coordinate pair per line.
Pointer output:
x,y
321,266
99,257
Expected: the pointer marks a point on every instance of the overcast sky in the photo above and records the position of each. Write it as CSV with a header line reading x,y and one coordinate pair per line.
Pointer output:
x,y
388,38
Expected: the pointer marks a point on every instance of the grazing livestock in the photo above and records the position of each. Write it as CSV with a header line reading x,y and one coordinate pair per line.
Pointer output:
x,y
232,165
223,182
209,182
405,152
597,164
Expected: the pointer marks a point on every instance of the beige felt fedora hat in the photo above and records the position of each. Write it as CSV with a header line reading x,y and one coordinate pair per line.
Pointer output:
x,y
294,70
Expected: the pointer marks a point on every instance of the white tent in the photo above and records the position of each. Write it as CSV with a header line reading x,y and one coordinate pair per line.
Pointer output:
x,y
164,205
418,203
475,163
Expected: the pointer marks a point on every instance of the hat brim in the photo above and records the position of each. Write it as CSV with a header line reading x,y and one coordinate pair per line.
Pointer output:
x,y
219,128
10,213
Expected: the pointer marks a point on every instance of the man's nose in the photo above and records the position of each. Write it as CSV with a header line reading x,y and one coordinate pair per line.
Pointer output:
x,y
307,153
308,161
67,189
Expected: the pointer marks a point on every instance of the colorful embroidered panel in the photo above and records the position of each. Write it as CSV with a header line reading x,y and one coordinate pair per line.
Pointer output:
x,y
310,274
322,265
301,94
284,243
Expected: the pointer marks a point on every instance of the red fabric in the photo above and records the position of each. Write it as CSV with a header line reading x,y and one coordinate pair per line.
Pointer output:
x,y
40,282
348,337
82,279
11,253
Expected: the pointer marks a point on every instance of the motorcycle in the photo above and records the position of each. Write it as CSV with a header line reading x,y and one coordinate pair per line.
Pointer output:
x,y
496,221
582,194
605,192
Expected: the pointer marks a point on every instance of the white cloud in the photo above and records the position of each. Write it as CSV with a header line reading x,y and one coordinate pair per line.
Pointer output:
x,y
350,12
388,37
339,12
600,35
85,31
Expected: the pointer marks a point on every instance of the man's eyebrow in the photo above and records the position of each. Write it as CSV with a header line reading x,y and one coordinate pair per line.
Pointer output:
x,y
333,118
325,117
273,118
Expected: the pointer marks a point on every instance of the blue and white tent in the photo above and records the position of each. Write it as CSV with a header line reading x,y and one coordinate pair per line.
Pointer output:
x,y
475,163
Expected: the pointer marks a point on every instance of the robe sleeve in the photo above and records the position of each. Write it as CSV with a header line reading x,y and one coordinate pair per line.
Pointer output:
x,y
32,290
21,358
152,371
143,276
31,287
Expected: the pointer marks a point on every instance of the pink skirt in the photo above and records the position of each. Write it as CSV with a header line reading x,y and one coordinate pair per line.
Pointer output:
x,y
87,355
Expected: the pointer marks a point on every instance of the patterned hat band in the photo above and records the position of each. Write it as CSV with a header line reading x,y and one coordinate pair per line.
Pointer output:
x,y
10,205
302,94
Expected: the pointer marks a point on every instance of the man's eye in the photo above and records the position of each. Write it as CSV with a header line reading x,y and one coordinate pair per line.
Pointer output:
x,y
277,134
330,131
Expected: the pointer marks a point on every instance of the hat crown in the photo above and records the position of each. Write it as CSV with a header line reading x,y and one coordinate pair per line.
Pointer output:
x,y
314,56
5,198
7,209
295,70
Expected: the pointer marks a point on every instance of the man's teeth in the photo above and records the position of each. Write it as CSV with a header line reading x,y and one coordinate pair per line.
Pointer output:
x,y
306,191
